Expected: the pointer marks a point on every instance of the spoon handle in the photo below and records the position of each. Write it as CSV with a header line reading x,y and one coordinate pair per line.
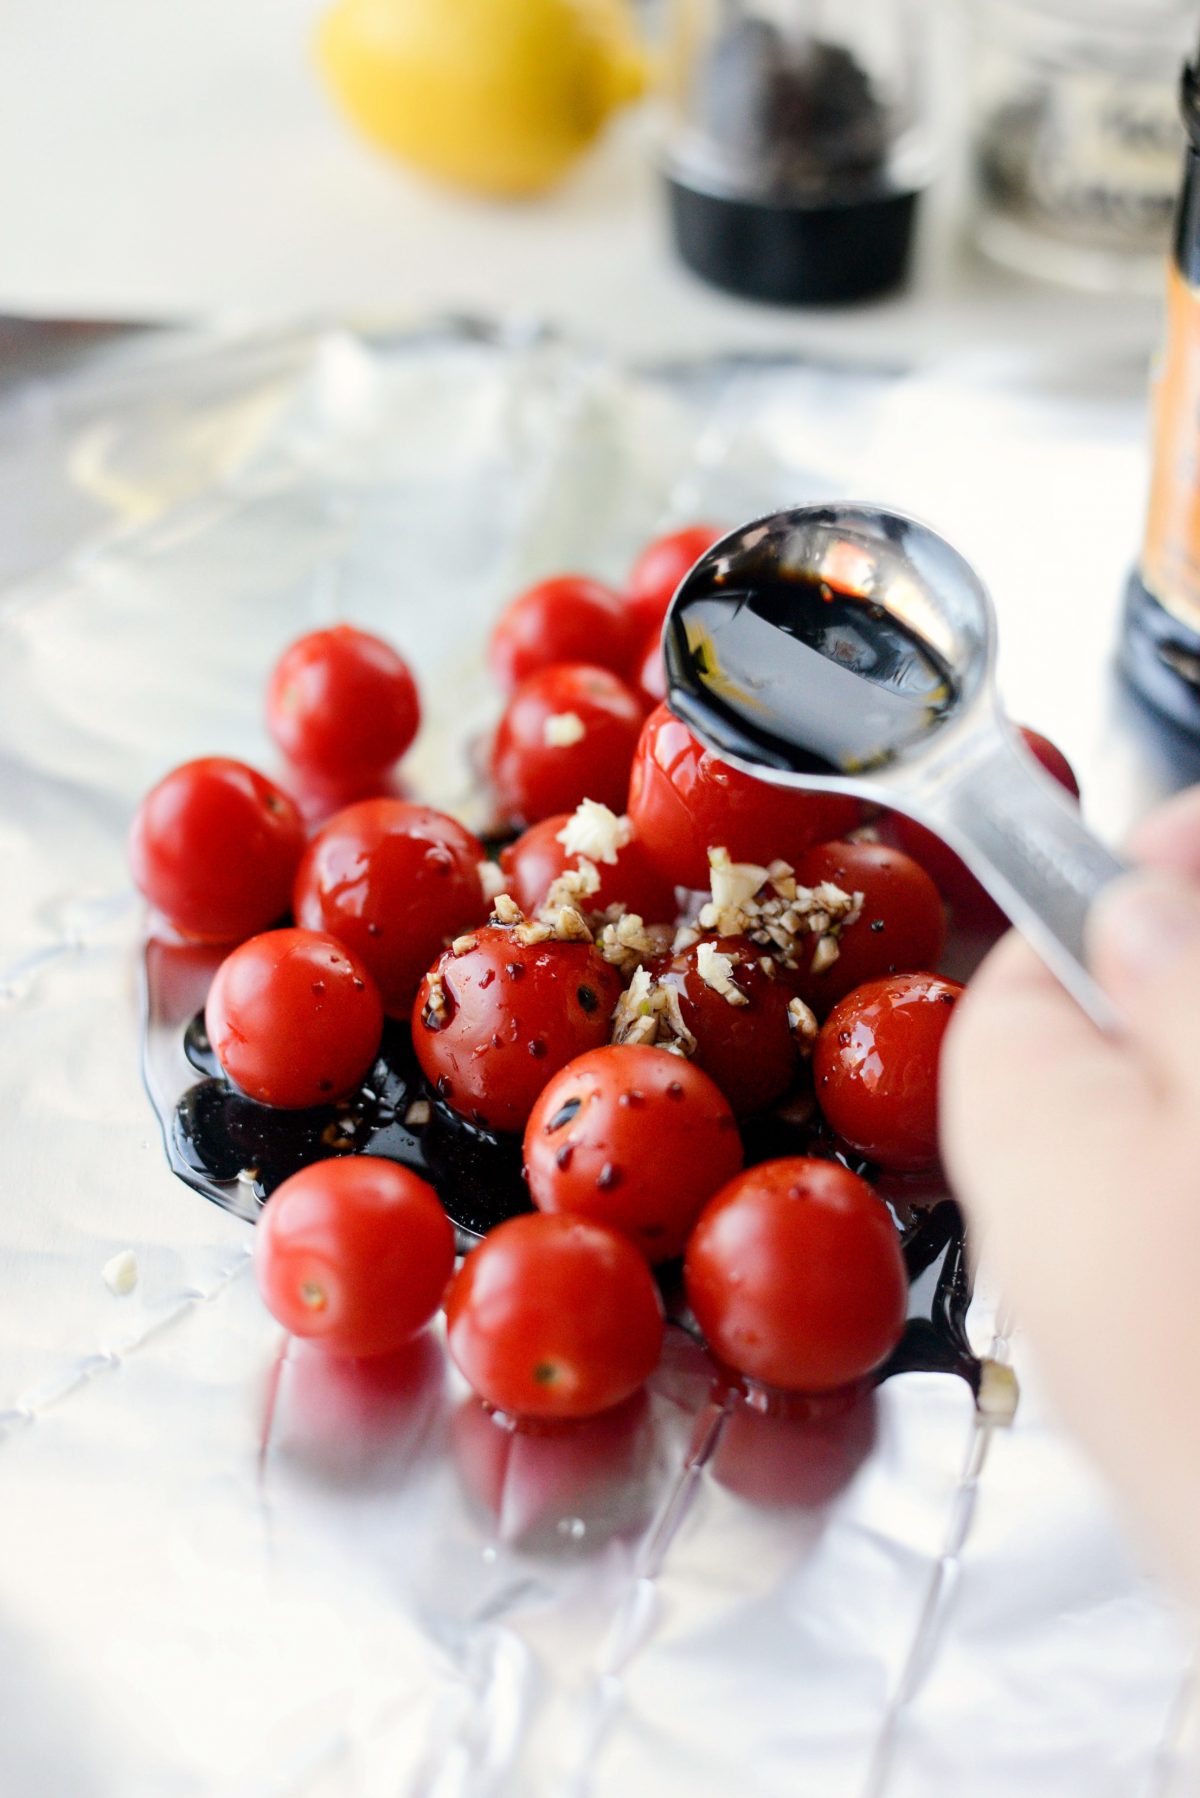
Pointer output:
x,y
1022,836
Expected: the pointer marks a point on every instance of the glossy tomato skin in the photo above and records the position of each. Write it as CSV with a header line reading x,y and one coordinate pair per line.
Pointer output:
x,y
294,1019
554,1318
567,734
683,801
749,1050
355,1254
394,882
214,847
633,1137
537,858
875,1068
650,672
342,705
903,922
1051,758
567,619
660,568
796,1278
508,1017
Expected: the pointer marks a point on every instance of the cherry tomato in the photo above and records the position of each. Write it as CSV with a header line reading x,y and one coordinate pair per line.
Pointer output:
x,y
875,1068
683,801
294,1019
633,1137
342,705
903,923
973,906
660,568
570,619
747,1049
568,734
214,847
795,1276
354,1253
535,861
395,883
1052,759
493,1023
554,1317
650,672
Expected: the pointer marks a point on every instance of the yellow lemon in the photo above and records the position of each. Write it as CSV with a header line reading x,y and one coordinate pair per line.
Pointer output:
x,y
499,96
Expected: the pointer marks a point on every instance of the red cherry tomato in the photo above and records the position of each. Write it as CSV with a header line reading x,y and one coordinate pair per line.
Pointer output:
x,y
875,1068
554,1317
491,1025
1052,759
650,673
342,705
660,568
354,1253
568,734
395,883
294,1019
535,861
570,619
632,1137
214,847
795,1276
683,802
902,927
747,1049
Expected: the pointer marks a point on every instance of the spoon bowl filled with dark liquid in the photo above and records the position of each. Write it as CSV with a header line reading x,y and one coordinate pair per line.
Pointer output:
x,y
852,648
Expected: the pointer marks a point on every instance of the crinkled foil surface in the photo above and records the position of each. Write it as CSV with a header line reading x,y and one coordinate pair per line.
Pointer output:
x,y
232,1570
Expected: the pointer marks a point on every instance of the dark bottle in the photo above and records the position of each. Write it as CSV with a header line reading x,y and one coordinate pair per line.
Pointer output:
x,y
1160,653
799,146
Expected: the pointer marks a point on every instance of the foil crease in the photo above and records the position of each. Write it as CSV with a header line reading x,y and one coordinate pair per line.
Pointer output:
x,y
233,1568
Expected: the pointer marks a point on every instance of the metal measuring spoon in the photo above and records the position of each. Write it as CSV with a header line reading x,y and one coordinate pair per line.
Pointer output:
x,y
851,649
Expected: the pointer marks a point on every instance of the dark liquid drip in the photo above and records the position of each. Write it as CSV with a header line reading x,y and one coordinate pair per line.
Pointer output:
x,y
222,1136
224,1144
793,673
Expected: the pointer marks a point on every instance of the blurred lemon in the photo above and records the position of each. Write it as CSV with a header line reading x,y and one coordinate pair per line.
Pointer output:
x,y
499,96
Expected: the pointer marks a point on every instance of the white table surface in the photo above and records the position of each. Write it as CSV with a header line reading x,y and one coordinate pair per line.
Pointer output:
x,y
183,161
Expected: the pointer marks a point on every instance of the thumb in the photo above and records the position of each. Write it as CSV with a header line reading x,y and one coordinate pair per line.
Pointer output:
x,y
1144,948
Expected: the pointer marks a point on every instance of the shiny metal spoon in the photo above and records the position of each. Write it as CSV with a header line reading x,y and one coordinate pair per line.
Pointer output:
x,y
852,649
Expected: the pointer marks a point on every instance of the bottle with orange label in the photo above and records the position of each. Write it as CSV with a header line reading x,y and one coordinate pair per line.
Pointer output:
x,y
1161,649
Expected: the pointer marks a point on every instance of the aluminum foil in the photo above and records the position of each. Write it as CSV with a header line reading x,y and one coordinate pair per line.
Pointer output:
x,y
231,1567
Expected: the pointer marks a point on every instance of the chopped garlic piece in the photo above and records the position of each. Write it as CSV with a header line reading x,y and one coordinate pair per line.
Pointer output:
x,y
120,1274
595,831
505,910
803,1022
572,887
491,878
417,1113
562,729
825,954
734,884
463,945
649,1013
716,971
626,941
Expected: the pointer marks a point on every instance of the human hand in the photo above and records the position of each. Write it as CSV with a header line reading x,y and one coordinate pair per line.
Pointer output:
x,y
1077,1158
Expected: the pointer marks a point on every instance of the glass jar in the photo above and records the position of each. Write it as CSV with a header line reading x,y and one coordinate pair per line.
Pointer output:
x,y
798,144
1077,142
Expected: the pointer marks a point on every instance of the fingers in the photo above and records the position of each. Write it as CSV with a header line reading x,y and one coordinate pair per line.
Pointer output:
x,y
1170,836
1034,1100
1144,948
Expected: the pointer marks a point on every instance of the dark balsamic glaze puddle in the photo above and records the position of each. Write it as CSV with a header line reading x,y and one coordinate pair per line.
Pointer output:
x,y
222,1143
219,1134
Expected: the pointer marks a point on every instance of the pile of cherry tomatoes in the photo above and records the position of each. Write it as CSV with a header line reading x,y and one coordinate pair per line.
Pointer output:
x,y
665,949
